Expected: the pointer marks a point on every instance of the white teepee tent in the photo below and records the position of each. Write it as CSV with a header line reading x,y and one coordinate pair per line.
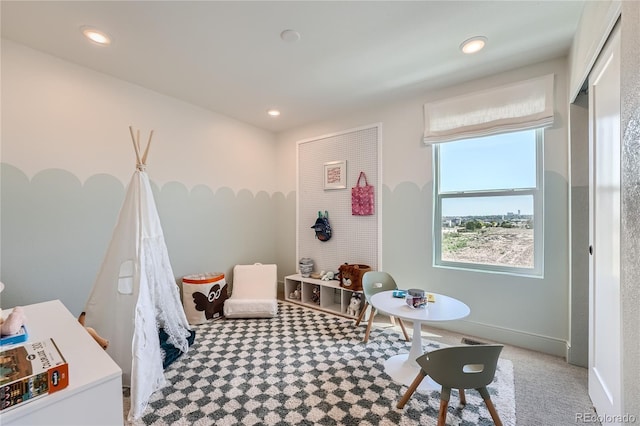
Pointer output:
x,y
135,292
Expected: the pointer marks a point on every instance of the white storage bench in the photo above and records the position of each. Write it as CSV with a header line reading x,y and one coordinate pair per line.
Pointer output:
x,y
332,297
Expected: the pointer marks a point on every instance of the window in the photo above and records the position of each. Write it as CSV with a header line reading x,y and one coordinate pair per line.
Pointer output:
x,y
488,203
126,276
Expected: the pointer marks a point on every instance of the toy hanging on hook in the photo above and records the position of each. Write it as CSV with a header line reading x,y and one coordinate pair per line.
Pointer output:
x,y
322,227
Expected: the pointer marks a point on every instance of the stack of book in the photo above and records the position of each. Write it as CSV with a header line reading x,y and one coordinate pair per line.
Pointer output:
x,y
30,371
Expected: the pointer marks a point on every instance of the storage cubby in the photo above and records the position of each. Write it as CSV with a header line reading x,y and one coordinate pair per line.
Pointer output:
x,y
332,297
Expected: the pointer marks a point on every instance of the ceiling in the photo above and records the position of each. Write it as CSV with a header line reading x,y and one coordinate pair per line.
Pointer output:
x,y
228,57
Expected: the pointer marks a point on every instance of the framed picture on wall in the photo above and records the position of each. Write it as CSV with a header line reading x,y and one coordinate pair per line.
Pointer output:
x,y
335,175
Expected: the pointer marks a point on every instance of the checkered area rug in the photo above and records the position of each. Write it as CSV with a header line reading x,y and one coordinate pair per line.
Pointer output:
x,y
304,367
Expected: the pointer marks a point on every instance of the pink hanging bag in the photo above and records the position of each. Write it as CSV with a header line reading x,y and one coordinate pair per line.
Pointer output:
x,y
362,200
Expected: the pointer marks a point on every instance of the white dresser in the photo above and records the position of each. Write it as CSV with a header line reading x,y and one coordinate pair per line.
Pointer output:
x,y
94,394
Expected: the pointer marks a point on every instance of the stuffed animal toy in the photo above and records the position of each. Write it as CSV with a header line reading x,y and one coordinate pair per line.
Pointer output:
x,y
350,275
14,321
315,295
104,343
345,282
329,276
295,294
354,305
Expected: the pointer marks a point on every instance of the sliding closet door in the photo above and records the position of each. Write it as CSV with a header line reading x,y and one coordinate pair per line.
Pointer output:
x,y
604,205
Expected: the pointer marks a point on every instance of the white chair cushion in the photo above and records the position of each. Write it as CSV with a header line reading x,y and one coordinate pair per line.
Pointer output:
x,y
255,282
254,292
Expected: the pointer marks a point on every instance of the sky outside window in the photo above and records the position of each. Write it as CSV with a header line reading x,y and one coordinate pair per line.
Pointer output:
x,y
506,161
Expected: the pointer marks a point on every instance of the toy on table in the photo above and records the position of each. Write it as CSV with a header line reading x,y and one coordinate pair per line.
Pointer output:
x,y
401,294
13,323
13,329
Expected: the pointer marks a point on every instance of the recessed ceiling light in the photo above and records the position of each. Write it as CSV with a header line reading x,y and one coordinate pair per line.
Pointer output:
x,y
473,45
96,36
273,112
290,36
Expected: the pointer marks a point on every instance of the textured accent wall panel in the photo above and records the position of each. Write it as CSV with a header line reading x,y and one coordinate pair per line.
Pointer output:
x,y
354,238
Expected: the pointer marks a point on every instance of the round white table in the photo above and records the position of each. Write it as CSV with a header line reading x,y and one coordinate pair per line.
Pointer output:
x,y
403,368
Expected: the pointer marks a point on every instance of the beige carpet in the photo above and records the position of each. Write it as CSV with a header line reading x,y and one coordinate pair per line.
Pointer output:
x,y
548,390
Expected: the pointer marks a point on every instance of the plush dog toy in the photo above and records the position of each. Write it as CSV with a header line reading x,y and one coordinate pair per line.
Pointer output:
x,y
354,305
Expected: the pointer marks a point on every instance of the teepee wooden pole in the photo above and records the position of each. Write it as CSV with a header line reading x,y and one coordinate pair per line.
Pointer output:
x,y
146,151
135,147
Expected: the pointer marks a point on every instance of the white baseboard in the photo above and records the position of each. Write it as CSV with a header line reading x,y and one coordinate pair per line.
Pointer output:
x,y
536,342
523,339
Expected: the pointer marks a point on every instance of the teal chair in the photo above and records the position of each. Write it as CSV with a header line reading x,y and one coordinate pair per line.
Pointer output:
x,y
374,282
458,367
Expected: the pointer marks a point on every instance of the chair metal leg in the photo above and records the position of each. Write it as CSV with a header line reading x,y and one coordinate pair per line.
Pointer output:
x,y
404,330
369,324
366,305
412,388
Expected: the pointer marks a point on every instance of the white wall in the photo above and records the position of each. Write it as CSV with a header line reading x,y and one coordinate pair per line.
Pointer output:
x,y
59,115
67,156
596,22
530,312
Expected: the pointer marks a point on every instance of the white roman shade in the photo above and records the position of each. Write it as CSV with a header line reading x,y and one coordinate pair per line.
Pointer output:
x,y
520,106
